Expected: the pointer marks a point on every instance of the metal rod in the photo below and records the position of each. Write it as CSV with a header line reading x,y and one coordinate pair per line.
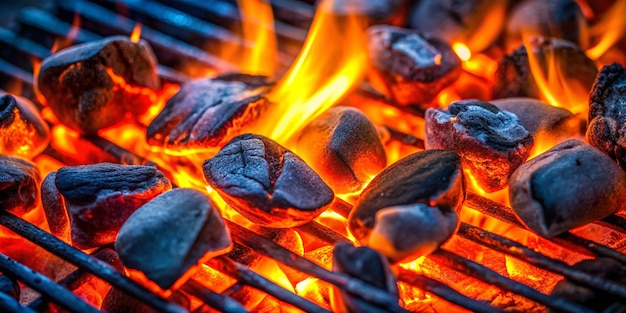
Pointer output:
x,y
9,305
614,222
211,298
404,138
532,257
79,277
489,276
249,277
444,291
45,286
322,232
89,263
357,287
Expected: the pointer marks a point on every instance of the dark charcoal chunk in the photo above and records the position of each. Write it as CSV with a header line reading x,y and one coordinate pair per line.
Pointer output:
x,y
19,185
23,132
367,265
408,67
171,234
476,23
607,113
267,183
117,301
98,84
551,18
207,113
9,286
568,186
606,268
514,77
433,178
373,11
98,198
542,119
54,208
342,145
490,141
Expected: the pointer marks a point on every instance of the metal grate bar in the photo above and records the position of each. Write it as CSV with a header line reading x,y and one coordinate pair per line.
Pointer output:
x,y
10,305
99,268
213,299
45,286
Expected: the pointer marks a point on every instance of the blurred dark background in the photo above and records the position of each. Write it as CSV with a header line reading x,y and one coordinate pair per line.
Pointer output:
x,y
9,8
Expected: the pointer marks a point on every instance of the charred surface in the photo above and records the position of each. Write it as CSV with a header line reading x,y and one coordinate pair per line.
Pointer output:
x,y
431,177
490,141
607,109
23,132
19,185
116,301
171,234
365,264
80,88
514,77
207,113
596,300
267,183
54,208
343,146
541,202
408,67
98,198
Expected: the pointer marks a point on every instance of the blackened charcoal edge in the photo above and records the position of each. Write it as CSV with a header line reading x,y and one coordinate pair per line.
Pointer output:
x,y
19,184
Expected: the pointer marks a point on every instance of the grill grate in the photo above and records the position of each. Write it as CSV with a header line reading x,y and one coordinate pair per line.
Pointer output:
x,y
186,40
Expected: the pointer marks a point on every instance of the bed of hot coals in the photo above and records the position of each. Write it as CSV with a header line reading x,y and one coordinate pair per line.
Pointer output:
x,y
523,102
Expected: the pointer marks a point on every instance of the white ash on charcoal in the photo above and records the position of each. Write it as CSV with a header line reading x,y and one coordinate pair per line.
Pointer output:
x,y
97,199
410,208
373,11
606,268
9,286
550,18
541,119
98,84
23,132
171,234
343,147
568,186
19,185
117,301
514,77
367,265
490,141
607,113
266,183
409,67
207,113
476,23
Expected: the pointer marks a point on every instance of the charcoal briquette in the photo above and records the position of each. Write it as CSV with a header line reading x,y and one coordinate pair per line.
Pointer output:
x,y
19,185
23,132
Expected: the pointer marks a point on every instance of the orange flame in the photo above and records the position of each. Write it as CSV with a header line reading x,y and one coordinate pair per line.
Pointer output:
x,y
62,43
556,89
136,34
610,29
258,27
331,62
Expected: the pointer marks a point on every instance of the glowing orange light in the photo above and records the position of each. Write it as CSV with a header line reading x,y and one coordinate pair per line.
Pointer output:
x,y
331,62
62,43
136,34
609,29
258,27
462,51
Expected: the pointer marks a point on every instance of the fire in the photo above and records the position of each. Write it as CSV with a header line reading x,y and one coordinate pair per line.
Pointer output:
x,y
136,34
62,43
610,29
258,27
549,73
321,74
462,51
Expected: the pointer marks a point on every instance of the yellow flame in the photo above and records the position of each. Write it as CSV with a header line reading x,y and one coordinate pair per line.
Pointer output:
x,y
332,61
555,87
462,51
62,43
258,27
136,34
609,29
